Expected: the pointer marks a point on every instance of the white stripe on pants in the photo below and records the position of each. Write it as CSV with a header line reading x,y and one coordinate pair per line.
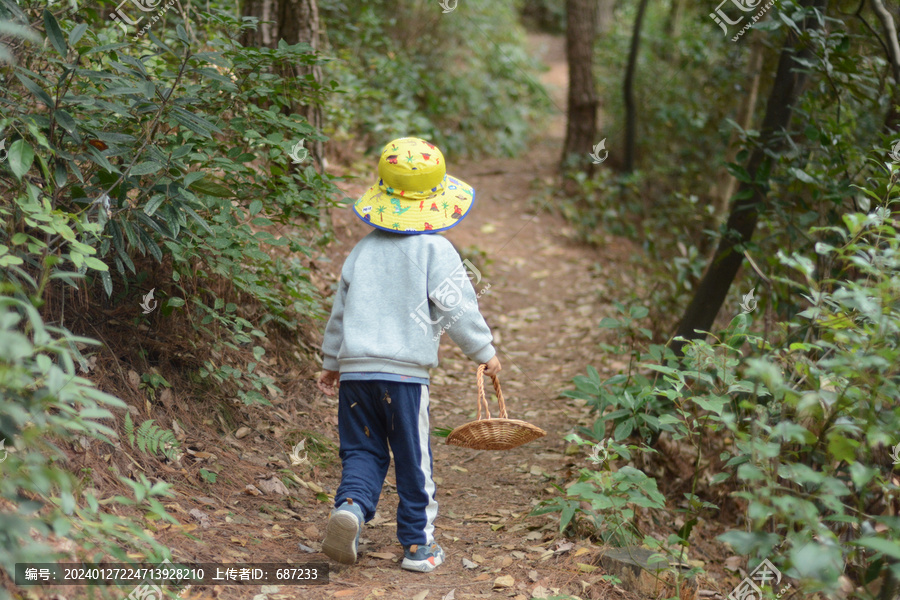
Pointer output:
x,y
425,465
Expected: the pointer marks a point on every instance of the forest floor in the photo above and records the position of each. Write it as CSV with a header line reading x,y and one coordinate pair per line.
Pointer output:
x,y
547,294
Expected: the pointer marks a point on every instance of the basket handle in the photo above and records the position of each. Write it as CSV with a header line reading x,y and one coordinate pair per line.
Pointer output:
x,y
482,399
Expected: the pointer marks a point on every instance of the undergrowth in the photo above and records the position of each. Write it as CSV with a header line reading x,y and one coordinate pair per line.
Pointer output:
x,y
145,174
792,423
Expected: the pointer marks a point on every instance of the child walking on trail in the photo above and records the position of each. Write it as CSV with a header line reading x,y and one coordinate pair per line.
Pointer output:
x,y
400,289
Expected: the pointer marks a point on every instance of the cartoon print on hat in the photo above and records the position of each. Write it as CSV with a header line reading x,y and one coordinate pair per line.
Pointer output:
x,y
414,194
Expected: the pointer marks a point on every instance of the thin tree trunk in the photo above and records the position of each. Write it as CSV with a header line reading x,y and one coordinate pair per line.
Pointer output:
x,y
713,287
581,125
628,88
892,119
727,182
673,23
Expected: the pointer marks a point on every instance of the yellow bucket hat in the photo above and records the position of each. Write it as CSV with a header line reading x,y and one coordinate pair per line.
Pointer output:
x,y
414,194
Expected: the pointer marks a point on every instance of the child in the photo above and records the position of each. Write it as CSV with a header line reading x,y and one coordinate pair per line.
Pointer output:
x,y
400,288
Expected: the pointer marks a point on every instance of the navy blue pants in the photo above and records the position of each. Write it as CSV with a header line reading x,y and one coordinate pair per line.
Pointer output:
x,y
372,415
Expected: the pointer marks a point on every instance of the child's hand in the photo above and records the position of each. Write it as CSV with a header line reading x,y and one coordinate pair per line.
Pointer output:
x,y
492,367
328,382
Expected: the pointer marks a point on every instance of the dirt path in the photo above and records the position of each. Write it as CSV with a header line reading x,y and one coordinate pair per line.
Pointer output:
x,y
546,298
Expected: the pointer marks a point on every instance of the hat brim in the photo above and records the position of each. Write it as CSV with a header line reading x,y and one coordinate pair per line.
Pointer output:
x,y
439,212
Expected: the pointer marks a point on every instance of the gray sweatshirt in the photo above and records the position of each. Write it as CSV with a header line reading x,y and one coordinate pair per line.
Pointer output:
x,y
398,293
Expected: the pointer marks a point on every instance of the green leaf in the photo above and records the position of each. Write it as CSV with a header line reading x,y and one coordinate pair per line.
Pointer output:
x,y
565,516
198,125
623,429
66,121
861,474
210,188
608,322
10,260
107,282
95,263
153,204
76,33
739,172
156,41
854,222
715,405
20,157
175,302
802,175
145,168
55,33
638,312
685,531
255,206
841,447
197,218
891,548
743,542
184,151
150,244
441,432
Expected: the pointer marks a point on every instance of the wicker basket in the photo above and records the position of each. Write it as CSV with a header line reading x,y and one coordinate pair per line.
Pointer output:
x,y
493,434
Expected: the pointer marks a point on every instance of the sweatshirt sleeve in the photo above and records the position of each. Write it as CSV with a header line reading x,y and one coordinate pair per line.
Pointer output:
x,y
334,330
453,297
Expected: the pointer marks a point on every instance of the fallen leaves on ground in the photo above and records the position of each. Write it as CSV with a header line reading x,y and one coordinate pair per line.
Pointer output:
x,y
273,485
202,517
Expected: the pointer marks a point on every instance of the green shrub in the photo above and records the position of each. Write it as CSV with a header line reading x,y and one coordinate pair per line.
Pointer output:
x,y
795,423
611,495
139,164
178,157
43,402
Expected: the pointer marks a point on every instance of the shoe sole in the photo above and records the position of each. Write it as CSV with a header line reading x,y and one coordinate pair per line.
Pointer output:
x,y
422,566
340,538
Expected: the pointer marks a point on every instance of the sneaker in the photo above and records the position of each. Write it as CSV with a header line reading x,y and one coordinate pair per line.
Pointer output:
x,y
342,533
425,559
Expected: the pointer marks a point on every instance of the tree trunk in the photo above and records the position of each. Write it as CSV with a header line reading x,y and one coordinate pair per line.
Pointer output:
x,y
630,120
713,287
727,182
295,22
581,121
673,23
892,119
266,28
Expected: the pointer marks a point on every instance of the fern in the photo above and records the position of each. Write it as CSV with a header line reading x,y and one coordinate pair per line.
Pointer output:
x,y
129,428
151,438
